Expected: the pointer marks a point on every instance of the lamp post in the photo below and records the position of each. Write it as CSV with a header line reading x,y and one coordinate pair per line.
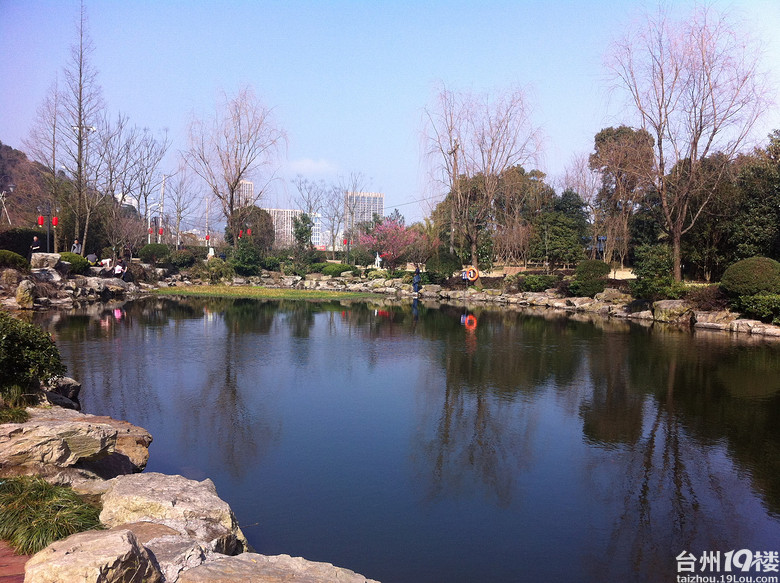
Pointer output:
x,y
45,214
10,190
149,221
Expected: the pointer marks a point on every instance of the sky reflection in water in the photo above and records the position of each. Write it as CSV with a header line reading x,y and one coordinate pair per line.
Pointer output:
x,y
402,445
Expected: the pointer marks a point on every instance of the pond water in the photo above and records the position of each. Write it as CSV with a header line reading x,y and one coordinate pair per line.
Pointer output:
x,y
413,444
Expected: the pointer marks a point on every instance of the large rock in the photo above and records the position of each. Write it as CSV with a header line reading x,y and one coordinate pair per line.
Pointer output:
x,y
25,294
54,443
93,556
131,447
192,508
44,260
253,568
673,312
613,296
172,552
719,320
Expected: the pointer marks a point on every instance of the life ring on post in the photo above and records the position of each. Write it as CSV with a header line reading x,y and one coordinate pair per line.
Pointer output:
x,y
471,322
472,274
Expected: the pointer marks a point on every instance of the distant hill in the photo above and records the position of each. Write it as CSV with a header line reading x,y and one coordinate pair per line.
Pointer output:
x,y
16,168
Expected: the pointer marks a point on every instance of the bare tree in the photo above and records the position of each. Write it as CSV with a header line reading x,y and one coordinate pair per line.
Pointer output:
x,y
311,194
116,183
149,154
579,177
82,107
43,146
478,138
350,186
185,197
696,88
232,146
333,216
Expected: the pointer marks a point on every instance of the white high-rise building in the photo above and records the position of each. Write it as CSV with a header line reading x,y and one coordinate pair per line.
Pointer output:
x,y
283,227
245,194
361,207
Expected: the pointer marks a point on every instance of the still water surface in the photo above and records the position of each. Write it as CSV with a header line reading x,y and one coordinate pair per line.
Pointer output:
x,y
399,443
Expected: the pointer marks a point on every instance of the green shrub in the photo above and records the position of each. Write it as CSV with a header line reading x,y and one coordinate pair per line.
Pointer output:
x,y
27,355
537,283
214,270
36,513
271,263
590,278
245,258
13,260
318,267
764,307
654,270
336,269
154,253
182,259
78,264
751,276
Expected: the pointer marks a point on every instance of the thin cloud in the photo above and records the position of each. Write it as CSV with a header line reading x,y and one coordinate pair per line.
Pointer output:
x,y
309,167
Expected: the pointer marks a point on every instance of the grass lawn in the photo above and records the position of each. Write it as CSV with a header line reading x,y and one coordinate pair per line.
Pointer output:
x,y
264,293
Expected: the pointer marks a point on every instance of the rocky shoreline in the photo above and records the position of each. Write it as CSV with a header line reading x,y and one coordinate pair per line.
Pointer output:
x,y
162,528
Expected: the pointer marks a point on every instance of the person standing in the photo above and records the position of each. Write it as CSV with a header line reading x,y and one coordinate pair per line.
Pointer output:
x,y
76,248
416,280
35,247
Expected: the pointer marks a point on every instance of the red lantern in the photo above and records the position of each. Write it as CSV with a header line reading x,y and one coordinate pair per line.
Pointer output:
x,y
249,231
241,232
150,230
40,220
345,241
55,221
161,231
208,237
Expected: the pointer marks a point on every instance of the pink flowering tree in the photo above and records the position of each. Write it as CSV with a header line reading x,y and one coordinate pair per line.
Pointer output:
x,y
392,240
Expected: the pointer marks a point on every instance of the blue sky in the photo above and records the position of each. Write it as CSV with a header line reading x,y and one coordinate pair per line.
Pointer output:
x,y
348,80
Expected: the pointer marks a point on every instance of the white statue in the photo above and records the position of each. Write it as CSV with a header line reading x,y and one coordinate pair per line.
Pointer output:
x,y
378,261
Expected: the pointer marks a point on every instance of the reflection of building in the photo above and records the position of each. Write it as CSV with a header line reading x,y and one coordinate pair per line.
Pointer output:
x,y
362,206
283,227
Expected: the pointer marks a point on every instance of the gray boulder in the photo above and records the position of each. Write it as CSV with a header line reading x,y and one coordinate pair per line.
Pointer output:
x,y
99,556
42,260
25,294
53,443
673,312
253,568
190,507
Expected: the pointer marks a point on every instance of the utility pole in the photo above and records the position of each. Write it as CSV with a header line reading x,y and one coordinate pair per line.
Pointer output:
x,y
162,201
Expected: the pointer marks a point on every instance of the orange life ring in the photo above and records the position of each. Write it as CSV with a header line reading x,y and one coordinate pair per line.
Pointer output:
x,y
472,274
471,322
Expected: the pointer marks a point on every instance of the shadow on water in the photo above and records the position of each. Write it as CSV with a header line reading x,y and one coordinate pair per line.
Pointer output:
x,y
494,443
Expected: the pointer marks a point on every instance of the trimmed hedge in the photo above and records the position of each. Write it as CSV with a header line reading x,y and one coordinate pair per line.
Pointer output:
x,y
590,278
537,283
751,276
154,253
78,264
182,259
13,260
